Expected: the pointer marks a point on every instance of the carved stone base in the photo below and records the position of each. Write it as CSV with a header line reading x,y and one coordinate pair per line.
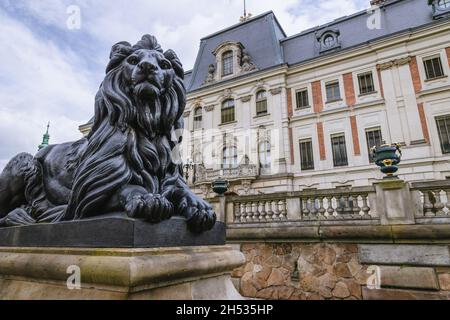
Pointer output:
x,y
191,273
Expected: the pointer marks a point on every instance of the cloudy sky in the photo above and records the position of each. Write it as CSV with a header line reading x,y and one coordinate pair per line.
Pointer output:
x,y
50,69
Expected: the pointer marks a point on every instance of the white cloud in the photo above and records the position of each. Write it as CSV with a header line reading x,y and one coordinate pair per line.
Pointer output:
x,y
46,75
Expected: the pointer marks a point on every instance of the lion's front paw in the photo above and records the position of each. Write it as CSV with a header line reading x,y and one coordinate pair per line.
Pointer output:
x,y
199,214
151,207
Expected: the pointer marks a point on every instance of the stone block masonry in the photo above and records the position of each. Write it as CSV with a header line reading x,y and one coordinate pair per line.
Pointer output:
x,y
342,271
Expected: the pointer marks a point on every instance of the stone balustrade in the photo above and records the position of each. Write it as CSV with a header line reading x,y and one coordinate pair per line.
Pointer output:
x,y
434,198
243,171
311,205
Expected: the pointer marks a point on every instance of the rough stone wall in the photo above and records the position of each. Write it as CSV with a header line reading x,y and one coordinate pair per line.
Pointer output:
x,y
297,271
302,271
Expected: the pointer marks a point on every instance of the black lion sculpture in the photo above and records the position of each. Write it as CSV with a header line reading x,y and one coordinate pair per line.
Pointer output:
x,y
125,165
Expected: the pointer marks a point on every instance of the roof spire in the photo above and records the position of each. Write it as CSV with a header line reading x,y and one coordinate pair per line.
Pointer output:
x,y
246,16
45,138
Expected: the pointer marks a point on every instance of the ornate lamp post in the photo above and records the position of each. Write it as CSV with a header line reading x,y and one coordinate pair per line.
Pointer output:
x,y
387,157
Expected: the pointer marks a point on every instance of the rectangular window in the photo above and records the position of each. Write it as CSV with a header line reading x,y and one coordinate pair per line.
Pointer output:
x,y
227,63
261,107
365,81
333,91
302,99
443,125
433,67
374,139
306,154
339,150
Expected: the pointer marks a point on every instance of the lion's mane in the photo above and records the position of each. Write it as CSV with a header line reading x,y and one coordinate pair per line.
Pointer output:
x,y
131,140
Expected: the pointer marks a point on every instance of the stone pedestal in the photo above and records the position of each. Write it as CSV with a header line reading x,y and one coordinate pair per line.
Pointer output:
x,y
191,273
394,202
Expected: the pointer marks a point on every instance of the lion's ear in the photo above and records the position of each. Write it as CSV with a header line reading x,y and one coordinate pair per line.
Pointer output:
x,y
176,63
119,51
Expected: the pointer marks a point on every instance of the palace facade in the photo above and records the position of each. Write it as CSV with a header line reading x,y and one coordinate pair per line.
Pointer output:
x,y
272,113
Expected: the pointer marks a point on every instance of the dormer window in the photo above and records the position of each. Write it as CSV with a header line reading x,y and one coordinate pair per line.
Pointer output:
x,y
231,60
227,63
328,40
441,8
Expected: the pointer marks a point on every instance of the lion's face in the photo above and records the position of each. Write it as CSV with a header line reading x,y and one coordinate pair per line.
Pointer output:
x,y
148,73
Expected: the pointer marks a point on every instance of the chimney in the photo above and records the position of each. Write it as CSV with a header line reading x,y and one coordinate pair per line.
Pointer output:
x,y
377,2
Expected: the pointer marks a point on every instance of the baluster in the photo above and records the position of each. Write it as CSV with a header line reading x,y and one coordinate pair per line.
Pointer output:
x,y
321,211
314,210
255,211
283,210
340,207
263,213
237,212
356,207
439,205
427,205
365,207
249,211
447,192
269,211
276,210
243,213
347,208
305,210
330,209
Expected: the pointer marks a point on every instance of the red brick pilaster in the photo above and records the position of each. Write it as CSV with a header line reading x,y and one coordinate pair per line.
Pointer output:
x,y
423,122
380,81
355,136
291,145
289,102
349,89
415,75
447,50
317,96
320,136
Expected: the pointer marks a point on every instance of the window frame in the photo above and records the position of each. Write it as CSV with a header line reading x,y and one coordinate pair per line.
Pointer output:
x,y
309,163
305,91
198,123
369,147
227,63
266,151
342,161
426,70
446,119
334,98
261,103
226,108
229,155
363,74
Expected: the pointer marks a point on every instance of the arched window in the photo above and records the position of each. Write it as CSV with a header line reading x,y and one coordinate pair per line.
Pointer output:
x,y
198,118
229,158
261,103
228,111
264,157
227,63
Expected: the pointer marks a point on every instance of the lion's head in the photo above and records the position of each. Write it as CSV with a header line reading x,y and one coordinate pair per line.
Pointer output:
x,y
138,120
143,88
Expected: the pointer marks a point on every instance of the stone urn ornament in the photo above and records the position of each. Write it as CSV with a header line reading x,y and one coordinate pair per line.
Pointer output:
x,y
387,157
220,186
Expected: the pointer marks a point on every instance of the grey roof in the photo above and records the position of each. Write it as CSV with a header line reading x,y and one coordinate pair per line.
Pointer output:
x,y
396,16
265,40
260,36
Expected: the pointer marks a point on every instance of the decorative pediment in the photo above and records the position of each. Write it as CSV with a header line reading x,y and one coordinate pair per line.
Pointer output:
x,y
329,39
